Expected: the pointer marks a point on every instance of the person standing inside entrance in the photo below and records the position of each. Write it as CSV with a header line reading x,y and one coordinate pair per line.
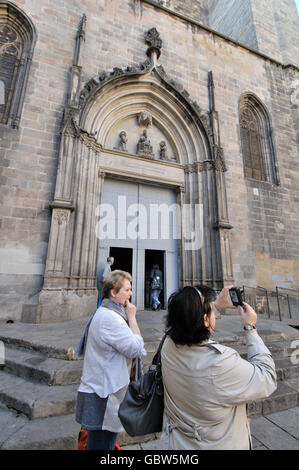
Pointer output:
x,y
113,341
156,277
101,275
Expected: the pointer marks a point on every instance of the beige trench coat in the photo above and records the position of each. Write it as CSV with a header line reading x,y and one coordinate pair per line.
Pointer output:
x,y
206,388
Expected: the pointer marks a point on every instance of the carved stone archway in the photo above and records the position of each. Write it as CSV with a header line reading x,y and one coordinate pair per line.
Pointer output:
x,y
133,123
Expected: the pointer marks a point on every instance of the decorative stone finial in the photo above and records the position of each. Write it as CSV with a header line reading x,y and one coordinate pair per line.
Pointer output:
x,y
152,38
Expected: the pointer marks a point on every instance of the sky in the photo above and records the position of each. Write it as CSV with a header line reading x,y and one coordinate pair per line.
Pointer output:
x,y
297,5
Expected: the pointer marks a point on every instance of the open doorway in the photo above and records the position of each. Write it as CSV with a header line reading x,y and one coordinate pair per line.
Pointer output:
x,y
123,258
153,257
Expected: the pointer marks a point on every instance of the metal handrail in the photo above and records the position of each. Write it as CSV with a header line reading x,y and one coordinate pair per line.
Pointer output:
x,y
278,296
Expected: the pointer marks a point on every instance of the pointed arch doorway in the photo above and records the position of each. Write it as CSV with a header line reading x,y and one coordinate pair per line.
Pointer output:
x,y
134,126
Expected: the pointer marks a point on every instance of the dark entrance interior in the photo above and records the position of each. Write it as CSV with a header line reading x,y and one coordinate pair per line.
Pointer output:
x,y
153,257
123,258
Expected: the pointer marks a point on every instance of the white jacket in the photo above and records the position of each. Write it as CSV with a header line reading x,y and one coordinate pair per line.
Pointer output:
x,y
111,345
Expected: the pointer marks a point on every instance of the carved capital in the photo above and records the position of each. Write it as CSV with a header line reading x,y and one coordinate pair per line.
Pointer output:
x,y
61,215
198,167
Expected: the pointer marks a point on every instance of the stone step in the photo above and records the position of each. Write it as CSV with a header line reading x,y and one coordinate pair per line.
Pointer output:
x,y
286,369
60,340
36,400
281,352
40,368
54,433
61,432
278,349
285,396
47,339
268,335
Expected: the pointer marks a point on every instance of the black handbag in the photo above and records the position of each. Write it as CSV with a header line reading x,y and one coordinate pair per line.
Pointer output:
x,y
141,411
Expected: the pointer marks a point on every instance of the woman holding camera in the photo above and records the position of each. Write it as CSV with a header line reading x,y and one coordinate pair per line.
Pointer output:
x,y
206,384
113,340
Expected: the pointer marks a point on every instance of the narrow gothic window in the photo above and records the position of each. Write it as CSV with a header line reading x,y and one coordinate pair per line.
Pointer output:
x,y
256,140
16,46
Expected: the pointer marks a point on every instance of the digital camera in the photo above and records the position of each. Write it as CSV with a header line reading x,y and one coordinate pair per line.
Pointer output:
x,y
236,296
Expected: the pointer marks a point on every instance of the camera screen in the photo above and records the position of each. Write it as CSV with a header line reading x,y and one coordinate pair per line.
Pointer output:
x,y
234,296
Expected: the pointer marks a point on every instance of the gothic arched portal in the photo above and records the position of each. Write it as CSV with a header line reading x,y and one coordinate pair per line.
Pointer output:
x,y
139,126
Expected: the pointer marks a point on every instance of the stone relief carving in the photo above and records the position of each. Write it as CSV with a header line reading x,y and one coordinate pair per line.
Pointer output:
x,y
163,150
123,140
144,146
219,159
61,215
145,119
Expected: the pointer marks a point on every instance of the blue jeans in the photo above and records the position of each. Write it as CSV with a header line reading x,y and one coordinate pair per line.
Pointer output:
x,y
155,298
101,440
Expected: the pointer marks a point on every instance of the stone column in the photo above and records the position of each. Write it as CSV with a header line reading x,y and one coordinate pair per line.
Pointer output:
x,y
222,225
70,278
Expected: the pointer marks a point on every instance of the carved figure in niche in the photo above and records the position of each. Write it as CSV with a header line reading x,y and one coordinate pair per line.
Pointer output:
x,y
144,119
144,146
163,150
123,141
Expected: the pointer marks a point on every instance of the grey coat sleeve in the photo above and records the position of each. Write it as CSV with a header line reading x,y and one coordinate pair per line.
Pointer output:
x,y
241,381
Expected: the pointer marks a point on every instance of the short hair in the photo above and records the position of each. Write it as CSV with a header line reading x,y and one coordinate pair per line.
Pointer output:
x,y
185,315
114,280
110,258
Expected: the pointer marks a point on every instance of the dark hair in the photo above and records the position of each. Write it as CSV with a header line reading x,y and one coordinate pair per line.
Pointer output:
x,y
185,316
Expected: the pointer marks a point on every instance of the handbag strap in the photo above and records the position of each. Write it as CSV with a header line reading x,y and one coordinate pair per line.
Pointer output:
x,y
157,357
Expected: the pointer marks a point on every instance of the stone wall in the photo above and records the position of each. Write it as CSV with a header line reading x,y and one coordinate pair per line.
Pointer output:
x,y
234,19
264,217
271,27
198,10
287,26
277,29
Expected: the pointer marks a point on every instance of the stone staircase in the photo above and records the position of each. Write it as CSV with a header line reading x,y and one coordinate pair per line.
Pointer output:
x,y
38,389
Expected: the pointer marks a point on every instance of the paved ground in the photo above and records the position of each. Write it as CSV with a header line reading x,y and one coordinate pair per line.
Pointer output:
x,y
278,431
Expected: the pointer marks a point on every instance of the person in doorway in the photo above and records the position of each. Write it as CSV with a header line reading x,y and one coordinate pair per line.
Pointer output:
x,y
156,278
101,275
113,340
207,384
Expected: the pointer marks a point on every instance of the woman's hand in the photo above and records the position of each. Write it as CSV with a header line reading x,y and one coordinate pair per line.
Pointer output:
x,y
223,301
131,314
130,310
248,315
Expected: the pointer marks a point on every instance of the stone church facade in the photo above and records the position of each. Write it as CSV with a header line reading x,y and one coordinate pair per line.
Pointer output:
x,y
123,119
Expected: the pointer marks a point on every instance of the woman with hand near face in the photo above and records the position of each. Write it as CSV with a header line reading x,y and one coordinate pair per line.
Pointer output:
x,y
113,340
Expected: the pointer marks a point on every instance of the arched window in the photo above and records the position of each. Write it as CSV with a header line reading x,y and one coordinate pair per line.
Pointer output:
x,y
256,141
17,38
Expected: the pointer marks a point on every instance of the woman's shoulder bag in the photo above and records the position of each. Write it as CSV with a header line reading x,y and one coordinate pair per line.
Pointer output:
x,y
141,411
